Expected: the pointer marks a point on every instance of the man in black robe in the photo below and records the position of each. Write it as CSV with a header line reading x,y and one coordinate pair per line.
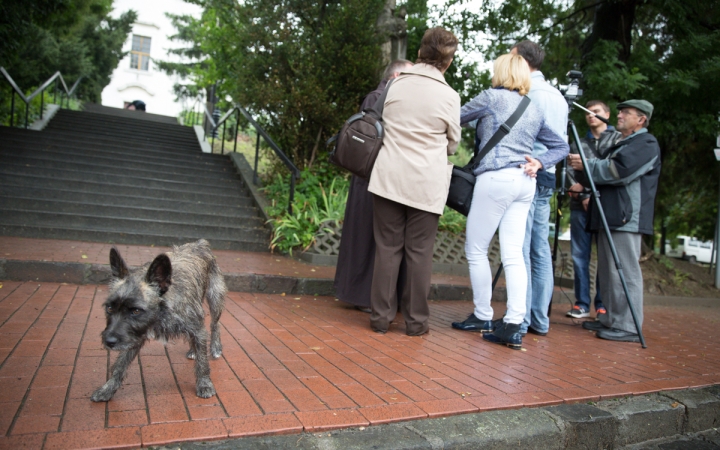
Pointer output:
x,y
356,259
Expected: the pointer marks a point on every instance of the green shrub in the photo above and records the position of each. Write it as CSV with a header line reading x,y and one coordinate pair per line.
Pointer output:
x,y
320,196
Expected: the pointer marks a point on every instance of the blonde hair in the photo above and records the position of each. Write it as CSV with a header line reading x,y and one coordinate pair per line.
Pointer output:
x,y
511,72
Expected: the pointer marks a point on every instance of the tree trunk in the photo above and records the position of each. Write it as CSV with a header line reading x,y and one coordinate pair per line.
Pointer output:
x,y
613,22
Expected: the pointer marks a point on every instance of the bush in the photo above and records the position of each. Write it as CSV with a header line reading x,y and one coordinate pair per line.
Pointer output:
x,y
320,196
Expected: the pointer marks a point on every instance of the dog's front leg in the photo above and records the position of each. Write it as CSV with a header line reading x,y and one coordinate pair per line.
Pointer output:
x,y
119,369
203,385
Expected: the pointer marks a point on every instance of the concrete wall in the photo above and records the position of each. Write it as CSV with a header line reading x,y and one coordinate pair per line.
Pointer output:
x,y
152,86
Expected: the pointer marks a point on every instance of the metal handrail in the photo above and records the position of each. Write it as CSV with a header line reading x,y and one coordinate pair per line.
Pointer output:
x,y
208,119
38,91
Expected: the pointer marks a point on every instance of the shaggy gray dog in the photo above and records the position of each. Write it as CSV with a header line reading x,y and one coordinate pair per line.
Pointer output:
x,y
163,300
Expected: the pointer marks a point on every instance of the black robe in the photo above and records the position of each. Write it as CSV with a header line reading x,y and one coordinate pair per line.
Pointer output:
x,y
356,257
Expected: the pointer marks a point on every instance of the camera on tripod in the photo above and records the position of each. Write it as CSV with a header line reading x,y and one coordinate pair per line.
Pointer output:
x,y
572,90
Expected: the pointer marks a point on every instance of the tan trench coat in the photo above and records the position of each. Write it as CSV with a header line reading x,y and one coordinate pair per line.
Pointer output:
x,y
422,126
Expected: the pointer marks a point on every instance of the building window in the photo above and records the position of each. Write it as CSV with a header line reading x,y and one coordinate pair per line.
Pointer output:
x,y
140,53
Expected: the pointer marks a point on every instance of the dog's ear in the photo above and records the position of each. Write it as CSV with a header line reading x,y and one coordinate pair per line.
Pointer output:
x,y
160,272
118,266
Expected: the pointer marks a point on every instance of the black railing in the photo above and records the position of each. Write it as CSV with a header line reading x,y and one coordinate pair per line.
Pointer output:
x,y
53,79
199,114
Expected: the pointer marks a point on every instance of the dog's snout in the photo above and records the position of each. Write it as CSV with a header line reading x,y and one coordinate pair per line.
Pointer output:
x,y
111,341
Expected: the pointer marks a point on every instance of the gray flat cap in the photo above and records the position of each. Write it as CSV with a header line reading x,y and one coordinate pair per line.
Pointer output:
x,y
641,105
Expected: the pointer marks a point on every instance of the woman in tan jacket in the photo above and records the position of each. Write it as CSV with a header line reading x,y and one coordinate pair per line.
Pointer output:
x,y
410,181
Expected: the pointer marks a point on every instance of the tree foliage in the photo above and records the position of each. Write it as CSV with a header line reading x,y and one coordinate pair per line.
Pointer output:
x,y
665,51
76,37
301,66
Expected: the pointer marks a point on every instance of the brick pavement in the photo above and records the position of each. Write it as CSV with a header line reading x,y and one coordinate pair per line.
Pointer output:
x,y
305,363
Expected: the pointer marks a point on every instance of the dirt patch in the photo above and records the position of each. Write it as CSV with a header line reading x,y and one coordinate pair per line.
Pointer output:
x,y
675,277
662,275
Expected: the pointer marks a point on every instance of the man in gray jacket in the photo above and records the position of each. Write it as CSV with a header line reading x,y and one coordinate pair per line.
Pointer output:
x,y
627,181
595,144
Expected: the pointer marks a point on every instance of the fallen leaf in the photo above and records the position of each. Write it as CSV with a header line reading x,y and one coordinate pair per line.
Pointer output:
x,y
282,295
315,348
84,256
675,405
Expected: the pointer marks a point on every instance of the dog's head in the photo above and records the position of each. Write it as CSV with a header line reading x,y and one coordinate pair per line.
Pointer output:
x,y
135,301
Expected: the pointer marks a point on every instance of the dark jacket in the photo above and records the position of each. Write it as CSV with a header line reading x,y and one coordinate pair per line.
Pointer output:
x,y
592,148
627,181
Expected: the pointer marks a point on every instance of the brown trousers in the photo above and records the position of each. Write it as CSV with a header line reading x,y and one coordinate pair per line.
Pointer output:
x,y
401,230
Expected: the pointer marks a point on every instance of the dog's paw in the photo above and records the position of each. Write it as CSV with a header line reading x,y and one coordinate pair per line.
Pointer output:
x,y
205,388
102,395
216,353
190,354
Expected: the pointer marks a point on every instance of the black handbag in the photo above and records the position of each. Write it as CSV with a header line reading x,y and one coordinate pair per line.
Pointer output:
x,y
462,182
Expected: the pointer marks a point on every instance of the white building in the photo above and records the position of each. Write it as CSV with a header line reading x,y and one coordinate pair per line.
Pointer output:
x,y
137,77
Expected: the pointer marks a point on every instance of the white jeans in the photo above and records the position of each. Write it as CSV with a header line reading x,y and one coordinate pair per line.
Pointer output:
x,y
501,197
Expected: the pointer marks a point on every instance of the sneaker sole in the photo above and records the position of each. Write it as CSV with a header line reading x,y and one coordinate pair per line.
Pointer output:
x,y
578,315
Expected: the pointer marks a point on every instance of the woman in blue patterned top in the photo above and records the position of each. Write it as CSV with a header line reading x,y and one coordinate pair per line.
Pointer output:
x,y
504,190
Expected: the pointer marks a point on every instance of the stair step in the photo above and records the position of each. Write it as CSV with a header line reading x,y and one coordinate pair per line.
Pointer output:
x,y
144,213
118,112
49,160
178,184
244,206
110,190
131,238
50,138
50,219
17,146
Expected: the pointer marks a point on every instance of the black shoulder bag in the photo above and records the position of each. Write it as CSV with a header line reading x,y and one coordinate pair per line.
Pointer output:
x,y
462,183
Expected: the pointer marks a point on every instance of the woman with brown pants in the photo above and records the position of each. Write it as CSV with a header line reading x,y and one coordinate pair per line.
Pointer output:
x,y
410,181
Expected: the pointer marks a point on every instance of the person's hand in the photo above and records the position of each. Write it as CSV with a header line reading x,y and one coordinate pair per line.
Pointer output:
x,y
531,167
575,162
575,189
586,203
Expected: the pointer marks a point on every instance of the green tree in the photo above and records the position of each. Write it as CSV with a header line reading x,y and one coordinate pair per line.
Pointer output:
x,y
666,51
302,67
76,37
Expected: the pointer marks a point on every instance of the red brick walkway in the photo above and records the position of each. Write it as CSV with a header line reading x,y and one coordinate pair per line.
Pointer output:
x,y
305,363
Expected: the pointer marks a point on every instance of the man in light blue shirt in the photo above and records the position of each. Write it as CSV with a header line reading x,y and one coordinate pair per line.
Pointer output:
x,y
536,249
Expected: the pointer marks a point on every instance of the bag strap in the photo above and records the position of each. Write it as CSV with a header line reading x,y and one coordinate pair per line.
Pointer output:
x,y
503,131
379,105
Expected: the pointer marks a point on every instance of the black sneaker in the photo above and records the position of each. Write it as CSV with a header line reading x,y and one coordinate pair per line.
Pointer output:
x,y
472,323
594,325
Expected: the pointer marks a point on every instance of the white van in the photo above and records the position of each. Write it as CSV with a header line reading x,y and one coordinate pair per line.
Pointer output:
x,y
690,249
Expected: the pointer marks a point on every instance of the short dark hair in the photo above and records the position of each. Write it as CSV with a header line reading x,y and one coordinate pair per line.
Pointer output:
x,y
602,104
533,53
396,66
437,48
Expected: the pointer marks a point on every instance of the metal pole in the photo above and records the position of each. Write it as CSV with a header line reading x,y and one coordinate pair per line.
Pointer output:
x,y
257,152
12,108
222,149
292,192
42,103
237,122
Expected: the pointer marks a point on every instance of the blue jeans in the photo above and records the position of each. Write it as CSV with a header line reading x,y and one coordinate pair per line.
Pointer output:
x,y
538,261
581,245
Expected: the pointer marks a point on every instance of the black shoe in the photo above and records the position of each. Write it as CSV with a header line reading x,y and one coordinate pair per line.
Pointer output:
x,y
532,330
613,334
594,325
506,334
472,323
364,309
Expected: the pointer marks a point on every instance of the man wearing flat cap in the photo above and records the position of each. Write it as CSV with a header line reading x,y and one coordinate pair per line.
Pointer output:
x,y
627,180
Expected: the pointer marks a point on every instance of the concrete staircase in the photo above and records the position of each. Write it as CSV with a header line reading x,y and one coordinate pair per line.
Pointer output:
x,y
112,175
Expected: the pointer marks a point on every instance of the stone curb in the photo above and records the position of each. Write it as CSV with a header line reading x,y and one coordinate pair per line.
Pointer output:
x,y
604,424
82,273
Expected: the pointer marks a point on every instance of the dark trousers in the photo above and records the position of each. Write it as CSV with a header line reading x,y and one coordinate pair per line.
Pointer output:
x,y
401,230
